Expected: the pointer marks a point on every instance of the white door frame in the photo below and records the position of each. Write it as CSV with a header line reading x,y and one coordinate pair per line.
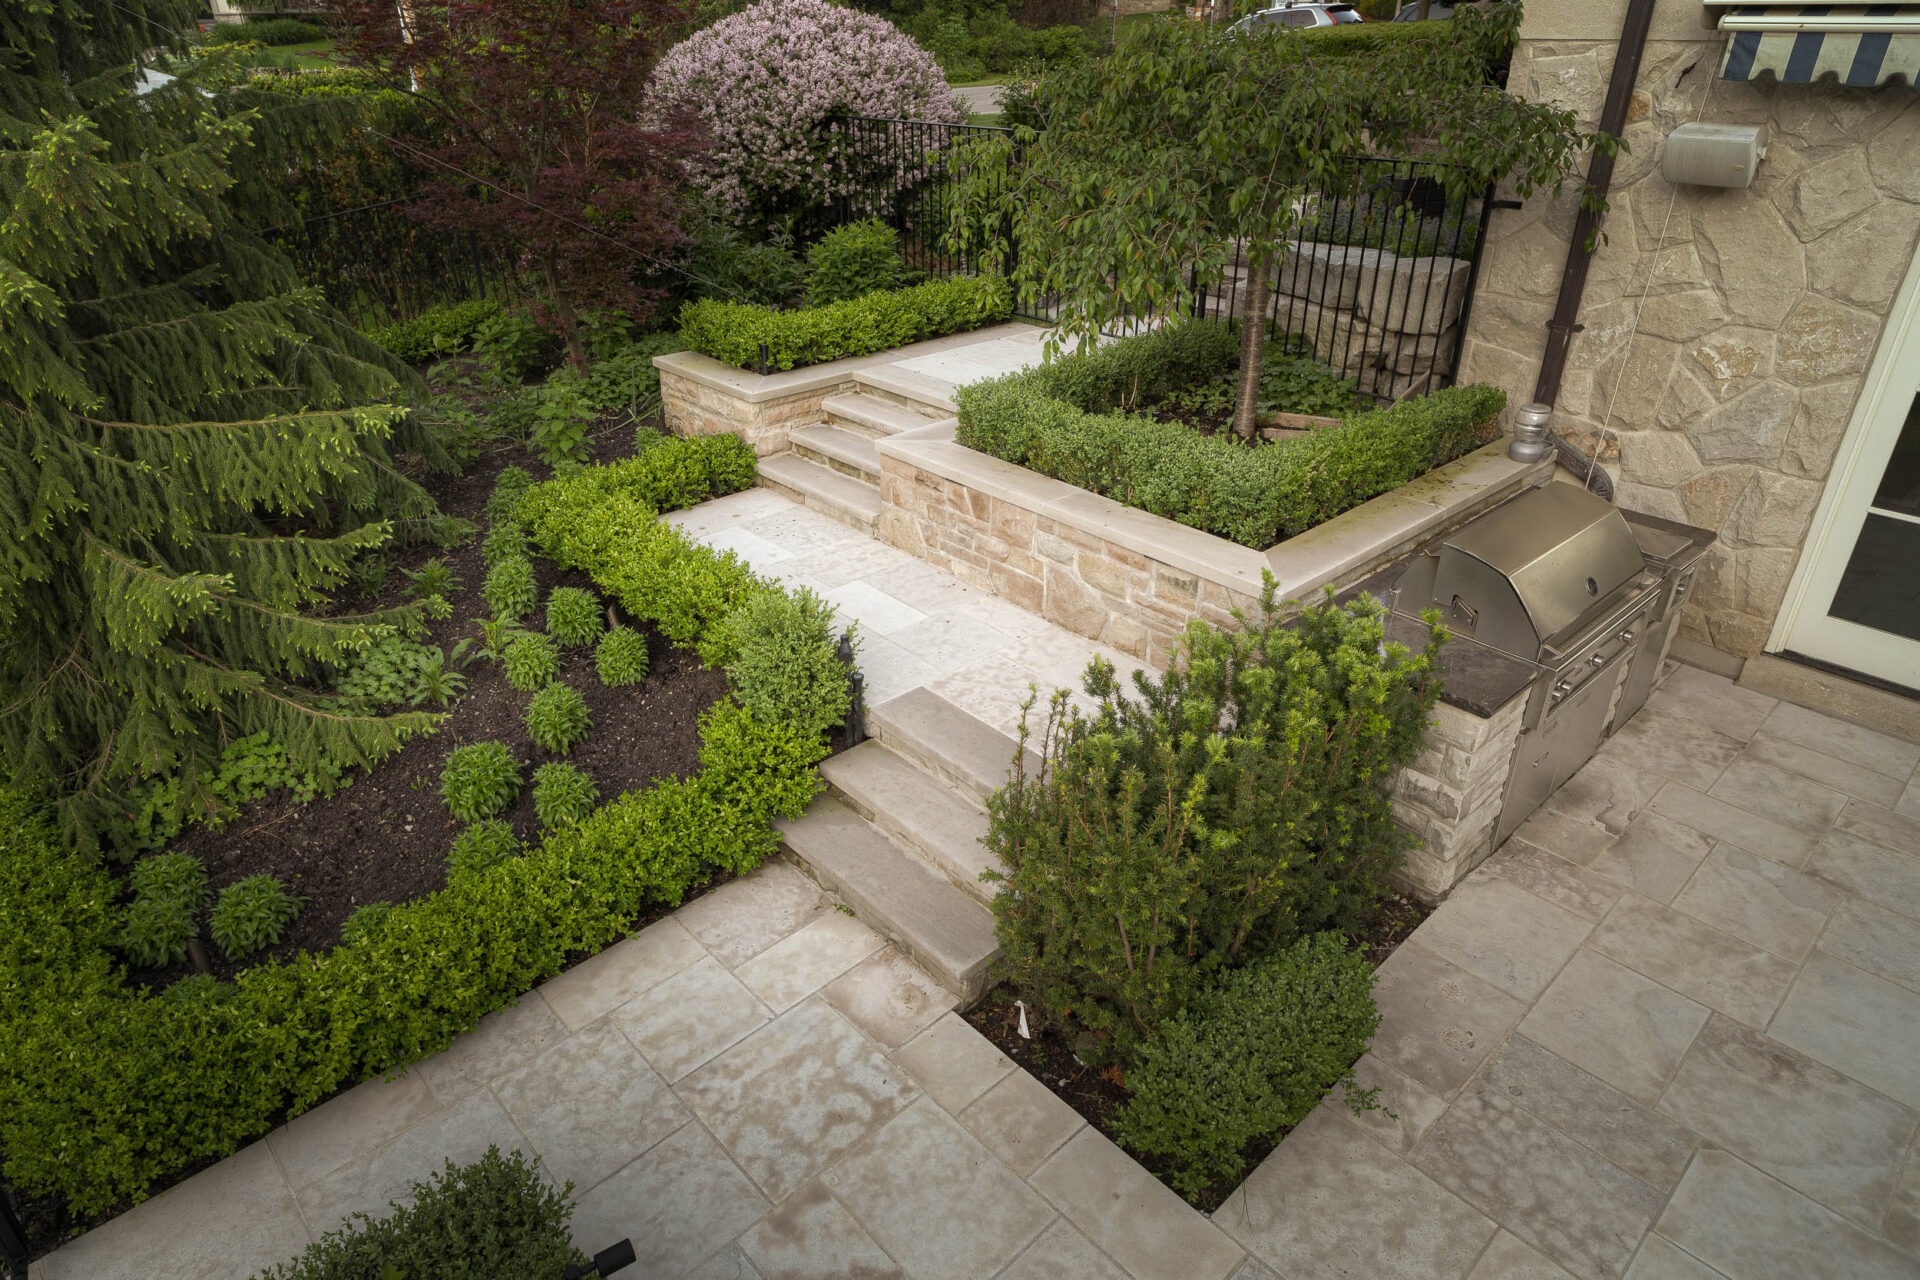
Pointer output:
x,y
1803,624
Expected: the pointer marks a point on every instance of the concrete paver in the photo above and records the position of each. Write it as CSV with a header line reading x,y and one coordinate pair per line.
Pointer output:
x,y
1621,1026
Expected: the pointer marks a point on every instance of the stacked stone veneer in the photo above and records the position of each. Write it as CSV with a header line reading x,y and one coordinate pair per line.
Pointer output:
x,y
1450,795
694,406
1727,332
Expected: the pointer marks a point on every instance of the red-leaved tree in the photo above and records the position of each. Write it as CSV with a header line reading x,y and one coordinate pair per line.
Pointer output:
x,y
536,144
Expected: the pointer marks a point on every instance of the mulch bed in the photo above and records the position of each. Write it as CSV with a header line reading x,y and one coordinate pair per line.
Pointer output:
x,y
1099,1093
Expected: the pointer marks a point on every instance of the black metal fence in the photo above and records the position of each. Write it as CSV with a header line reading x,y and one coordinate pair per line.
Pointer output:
x,y
380,265
1377,280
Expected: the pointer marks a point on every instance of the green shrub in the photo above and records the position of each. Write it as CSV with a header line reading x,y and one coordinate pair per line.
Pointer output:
x,y
735,332
1236,804
437,331
364,925
267,31
505,541
852,262
574,617
169,893
388,673
786,662
433,580
727,265
532,662
562,794
503,504
621,658
557,718
1250,1056
510,590
482,847
252,915
514,345
479,780
495,1219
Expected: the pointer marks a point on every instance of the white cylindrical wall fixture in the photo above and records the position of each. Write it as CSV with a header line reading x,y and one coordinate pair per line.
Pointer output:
x,y
1713,155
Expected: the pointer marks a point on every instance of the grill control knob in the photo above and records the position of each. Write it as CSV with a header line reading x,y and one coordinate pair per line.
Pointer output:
x,y
1598,659
1626,637
1561,690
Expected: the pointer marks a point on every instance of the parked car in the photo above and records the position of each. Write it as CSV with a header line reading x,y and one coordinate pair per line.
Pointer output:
x,y
1410,12
1297,15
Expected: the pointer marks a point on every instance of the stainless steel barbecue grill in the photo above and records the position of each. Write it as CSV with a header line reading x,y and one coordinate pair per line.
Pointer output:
x,y
1586,593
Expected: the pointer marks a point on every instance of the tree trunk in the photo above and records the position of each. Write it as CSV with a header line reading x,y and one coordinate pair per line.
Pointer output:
x,y
1253,338
1423,9
568,321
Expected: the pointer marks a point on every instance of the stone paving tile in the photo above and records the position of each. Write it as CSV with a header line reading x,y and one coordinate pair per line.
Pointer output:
x,y
744,917
1661,1259
1868,936
1866,870
590,1105
1331,1202
599,984
1743,1223
1654,857
1574,839
1884,827
1511,1258
1437,1021
889,669
1128,1214
226,1223
936,1199
1593,1113
728,1264
1775,908
1254,1269
1560,882
796,1095
1843,740
366,1184
1731,823
1839,775
1061,1253
680,1205
1860,1024
800,964
319,1141
1501,933
889,997
1714,701
1695,959
1583,1212
1779,796
811,1236
954,1063
876,612
1607,793
1901,1224
1673,746
1407,1108
1909,802
948,641
501,1042
1021,1121
685,1021
1610,1021
1820,1132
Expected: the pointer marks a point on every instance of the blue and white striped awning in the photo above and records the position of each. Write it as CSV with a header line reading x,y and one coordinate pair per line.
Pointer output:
x,y
1862,45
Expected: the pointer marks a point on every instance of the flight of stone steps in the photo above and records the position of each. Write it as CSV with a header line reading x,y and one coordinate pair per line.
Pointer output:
x,y
833,466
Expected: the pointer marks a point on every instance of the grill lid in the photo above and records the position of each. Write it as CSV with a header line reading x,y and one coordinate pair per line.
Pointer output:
x,y
1532,568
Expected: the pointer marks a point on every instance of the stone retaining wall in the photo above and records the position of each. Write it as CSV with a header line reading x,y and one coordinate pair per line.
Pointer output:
x,y
1450,795
695,408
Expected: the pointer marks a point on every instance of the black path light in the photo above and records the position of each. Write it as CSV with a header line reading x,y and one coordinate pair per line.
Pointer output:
x,y
609,1260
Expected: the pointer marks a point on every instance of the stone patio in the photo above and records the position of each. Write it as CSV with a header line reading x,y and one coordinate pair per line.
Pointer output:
x,y
1671,1031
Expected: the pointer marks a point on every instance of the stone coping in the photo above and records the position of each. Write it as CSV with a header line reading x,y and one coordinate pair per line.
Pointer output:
x,y
1343,548
755,388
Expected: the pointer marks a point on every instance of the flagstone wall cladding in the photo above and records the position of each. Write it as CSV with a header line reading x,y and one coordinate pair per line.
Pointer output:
x,y
1726,332
693,408
1450,795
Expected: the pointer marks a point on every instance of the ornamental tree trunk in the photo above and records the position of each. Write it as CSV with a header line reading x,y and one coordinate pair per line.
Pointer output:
x,y
1253,337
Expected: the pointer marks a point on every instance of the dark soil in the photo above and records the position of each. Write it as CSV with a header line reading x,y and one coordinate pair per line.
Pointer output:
x,y
1099,1093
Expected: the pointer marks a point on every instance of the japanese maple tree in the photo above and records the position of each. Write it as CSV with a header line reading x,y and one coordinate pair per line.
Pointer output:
x,y
537,142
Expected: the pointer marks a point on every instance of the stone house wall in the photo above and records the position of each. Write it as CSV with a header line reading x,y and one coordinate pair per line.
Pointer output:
x,y
1726,333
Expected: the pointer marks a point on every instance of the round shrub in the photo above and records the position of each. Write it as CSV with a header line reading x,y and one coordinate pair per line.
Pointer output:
x,y
764,80
562,794
557,718
573,616
252,915
852,262
484,845
621,658
505,541
169,891
532,662
503,504
510,589
479,780
786,663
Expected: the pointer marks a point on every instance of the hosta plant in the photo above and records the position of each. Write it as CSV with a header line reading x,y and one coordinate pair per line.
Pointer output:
x,y
479,780
252,915
510,589
557,718
573,616
484,845
562,794
532,661
621,657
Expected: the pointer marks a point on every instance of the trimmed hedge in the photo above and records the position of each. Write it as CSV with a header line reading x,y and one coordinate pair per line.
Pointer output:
x,y
1060,419
733,332
106,1089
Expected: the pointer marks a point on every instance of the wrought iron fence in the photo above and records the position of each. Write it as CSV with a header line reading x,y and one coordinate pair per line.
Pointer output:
x,y
380,265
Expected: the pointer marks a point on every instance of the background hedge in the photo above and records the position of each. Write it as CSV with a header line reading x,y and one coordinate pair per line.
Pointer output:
x,y
733,332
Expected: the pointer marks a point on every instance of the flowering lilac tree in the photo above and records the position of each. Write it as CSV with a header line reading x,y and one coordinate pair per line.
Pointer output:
x,y
766,80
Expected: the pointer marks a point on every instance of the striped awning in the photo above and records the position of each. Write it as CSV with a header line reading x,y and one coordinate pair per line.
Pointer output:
x,y
1862,45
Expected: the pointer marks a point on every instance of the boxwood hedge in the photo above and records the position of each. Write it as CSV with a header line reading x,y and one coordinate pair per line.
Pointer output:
x,y
735,332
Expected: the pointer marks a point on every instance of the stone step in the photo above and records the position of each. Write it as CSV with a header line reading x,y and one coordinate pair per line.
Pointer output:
x,y
942,739
841,497
871,415
915,391
948,933
931,818
845,451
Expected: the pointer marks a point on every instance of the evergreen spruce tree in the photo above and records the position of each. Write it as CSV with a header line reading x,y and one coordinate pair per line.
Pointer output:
x,y
193,447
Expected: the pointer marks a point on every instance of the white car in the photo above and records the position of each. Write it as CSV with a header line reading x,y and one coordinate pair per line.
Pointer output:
x,y
1297,15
